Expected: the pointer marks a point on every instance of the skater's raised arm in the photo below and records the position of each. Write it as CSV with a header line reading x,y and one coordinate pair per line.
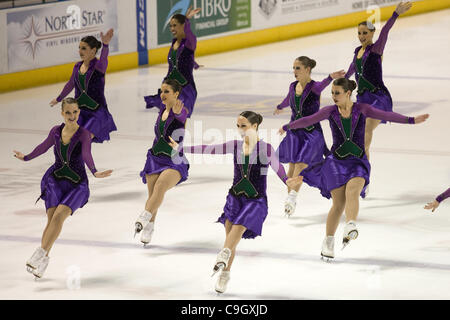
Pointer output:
x,y
180,111
43,147
102,63
378,46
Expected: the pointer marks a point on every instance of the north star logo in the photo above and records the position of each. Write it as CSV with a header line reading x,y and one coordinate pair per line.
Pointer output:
x,y
267,7
69,26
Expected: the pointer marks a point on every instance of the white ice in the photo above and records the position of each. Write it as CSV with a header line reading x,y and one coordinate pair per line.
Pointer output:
x,y
403,251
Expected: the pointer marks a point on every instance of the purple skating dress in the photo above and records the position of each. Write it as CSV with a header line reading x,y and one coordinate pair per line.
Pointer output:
x,y
246,202
369,73
347,159
305,145
181,66
66,182
90,94
161,156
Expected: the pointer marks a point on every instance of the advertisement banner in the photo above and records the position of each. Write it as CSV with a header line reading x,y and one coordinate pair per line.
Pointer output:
x,y
215,17
141,32
274,13
49,35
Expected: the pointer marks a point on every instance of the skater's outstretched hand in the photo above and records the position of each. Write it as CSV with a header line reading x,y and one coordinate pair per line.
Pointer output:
x,y
173,144
106,38
432,205
402,7
190,13
277,111
338,74
53,102
103,174
19,155
293,183
421,118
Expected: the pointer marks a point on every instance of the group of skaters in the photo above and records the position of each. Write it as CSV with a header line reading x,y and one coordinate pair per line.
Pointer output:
x,y
341,173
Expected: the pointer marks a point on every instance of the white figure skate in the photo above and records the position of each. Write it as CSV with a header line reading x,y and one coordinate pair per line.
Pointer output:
x,y
147,233
350,233
290,203
328,248
142,221
35,259
39,271
222,260
222,281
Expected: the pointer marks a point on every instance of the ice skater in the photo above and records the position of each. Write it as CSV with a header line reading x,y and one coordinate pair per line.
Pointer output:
x,y
161,172
181,61
435,203
303,147
88,79
246,203
367,67
344,174
64,186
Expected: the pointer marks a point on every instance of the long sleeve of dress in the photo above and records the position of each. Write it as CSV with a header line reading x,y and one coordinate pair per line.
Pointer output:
x,y
86,151
102,63
224,148
378,46
191,39
375,113
318,87
68,87
443,196
304,122
43,147
182,116
275,164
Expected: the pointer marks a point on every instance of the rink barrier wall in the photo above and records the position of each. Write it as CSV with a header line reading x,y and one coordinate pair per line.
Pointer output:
x,y
61,73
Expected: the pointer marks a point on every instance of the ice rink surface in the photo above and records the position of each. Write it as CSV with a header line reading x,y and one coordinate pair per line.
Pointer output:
x,y
402,252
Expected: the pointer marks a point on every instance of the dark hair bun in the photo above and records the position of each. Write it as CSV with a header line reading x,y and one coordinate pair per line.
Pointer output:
x,y
174,84
346,84
92,42
307,62
179,17
252,117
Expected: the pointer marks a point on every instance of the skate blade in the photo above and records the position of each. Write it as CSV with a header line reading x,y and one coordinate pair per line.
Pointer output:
x,y
217,268
326,258
30,266
30,269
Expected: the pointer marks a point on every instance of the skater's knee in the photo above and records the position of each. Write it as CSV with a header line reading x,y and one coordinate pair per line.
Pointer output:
x,y
61,214
337,208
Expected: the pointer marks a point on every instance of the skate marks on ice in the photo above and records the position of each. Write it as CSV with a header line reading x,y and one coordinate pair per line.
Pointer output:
x,y
389,263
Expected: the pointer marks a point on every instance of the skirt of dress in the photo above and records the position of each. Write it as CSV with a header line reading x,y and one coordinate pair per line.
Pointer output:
x,y
250,213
